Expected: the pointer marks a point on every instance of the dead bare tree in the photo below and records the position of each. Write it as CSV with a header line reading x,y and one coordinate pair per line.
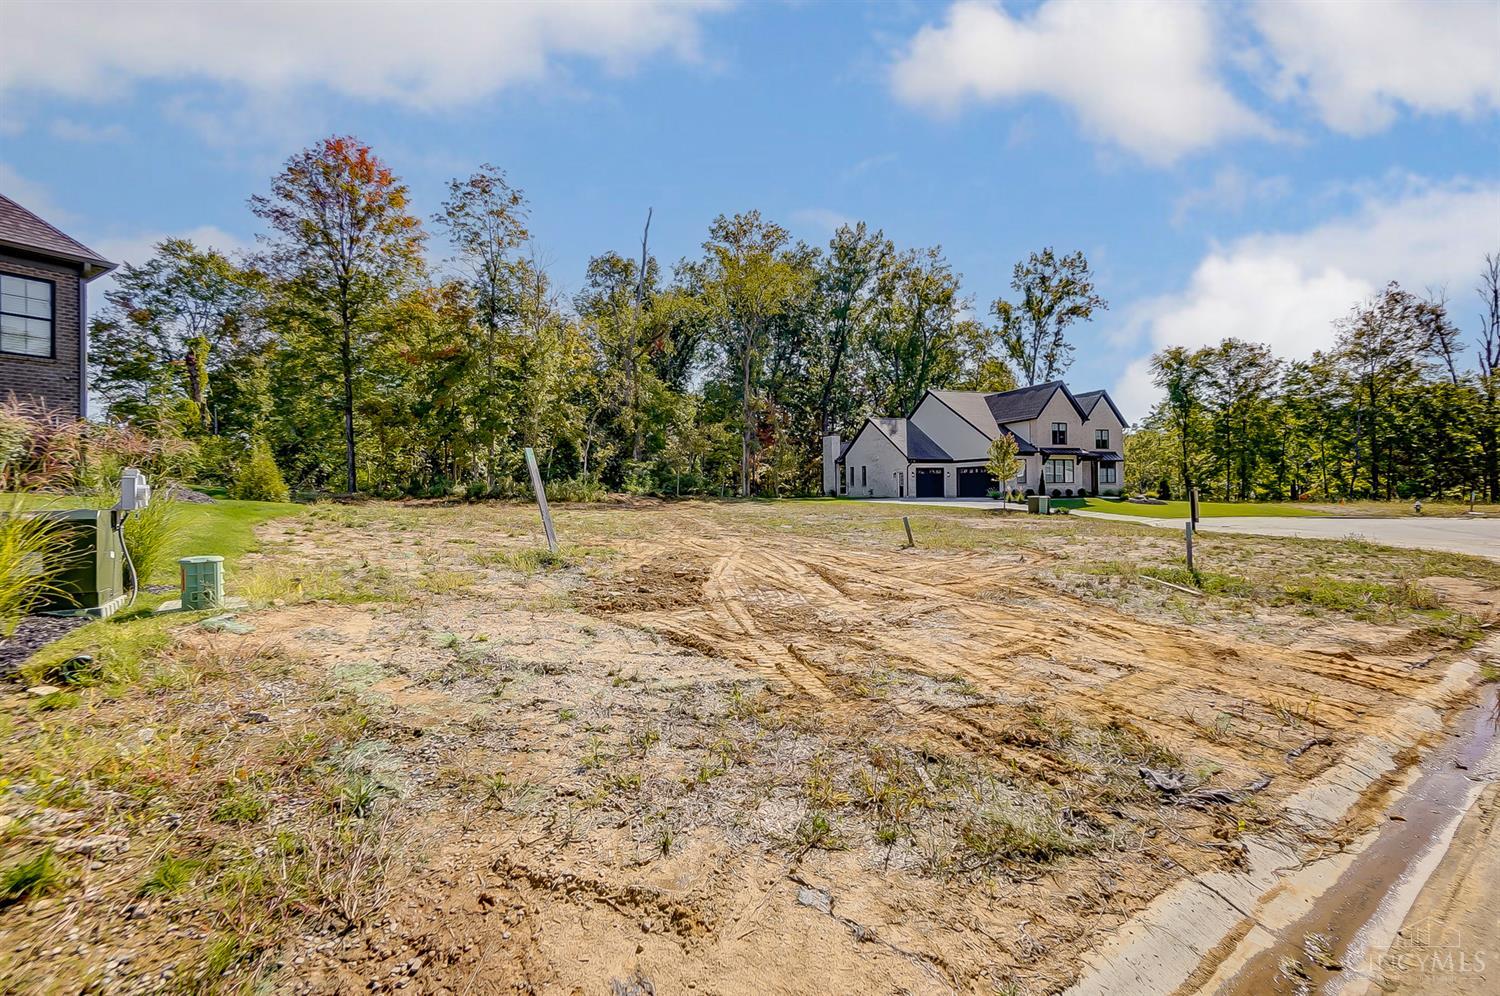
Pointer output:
x,y
1489,370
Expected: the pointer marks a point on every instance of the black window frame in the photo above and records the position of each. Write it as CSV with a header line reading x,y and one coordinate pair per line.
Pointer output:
x,y
1057,462
51,319
1108,468
1101,439
1059,433
864,478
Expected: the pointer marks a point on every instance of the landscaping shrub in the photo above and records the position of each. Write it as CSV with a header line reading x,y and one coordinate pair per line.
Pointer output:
x,y
576,489
29,557
152,535
259,478
42,449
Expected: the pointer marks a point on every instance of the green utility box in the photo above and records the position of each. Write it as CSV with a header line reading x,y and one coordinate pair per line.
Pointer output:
x,y
1038,504
91,580
202,582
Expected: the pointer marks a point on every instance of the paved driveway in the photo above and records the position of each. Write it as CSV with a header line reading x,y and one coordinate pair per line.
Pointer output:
x,y
1459,535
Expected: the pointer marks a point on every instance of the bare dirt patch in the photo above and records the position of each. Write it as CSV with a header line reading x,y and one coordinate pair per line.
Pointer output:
x,y
713,747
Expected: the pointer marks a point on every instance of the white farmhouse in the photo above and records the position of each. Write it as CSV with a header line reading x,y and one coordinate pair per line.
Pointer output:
x,y
1070,444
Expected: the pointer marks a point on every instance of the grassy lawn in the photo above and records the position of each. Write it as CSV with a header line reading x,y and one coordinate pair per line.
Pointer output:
x,y
1206,509
225,528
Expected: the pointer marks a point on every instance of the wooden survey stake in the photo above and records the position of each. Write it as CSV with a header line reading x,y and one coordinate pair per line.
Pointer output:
x,y
541,499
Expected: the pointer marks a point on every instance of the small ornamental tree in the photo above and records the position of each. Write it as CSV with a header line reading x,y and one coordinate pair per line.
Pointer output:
x,y
1005,462
259,478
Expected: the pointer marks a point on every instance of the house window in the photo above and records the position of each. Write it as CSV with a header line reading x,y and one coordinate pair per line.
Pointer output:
x,y
1101,439
843,477
1058,472
25,316
862,477
1107,473
1059,433
1020,477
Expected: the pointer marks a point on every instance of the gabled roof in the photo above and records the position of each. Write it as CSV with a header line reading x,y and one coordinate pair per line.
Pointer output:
x,y
23,230
1022,446
1026,403
921,446
1090,399
893,429
969,406
912,442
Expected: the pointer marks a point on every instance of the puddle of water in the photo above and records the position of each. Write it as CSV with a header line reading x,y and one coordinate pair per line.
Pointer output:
x,y
1345,920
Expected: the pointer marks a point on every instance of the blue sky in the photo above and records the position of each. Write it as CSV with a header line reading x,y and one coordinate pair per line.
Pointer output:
x,y
1247,170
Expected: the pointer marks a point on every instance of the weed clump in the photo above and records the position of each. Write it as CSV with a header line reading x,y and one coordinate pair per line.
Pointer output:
x,y
35,876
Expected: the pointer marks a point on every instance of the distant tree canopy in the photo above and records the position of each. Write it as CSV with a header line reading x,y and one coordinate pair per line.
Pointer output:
x,y
1391,411
360,369
340,352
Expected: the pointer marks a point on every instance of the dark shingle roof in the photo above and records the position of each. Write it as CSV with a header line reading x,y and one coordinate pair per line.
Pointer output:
x,y
920,446
1022,446
20,229
1108,456
1090,400
1026,403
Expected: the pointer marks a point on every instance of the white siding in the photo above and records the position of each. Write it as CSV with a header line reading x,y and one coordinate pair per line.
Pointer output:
x,y
960,439
875,467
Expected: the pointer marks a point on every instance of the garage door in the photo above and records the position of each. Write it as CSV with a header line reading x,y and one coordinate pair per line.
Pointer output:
x,y
975,482
929,482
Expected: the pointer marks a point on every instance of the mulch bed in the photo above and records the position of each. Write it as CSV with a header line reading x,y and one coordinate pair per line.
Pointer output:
x,y
33,633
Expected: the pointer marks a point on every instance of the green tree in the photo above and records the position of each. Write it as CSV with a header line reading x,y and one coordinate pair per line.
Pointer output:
x,y
485,219
1179,373
1054,292
343,243
1004,461
751,275
915,339
171,327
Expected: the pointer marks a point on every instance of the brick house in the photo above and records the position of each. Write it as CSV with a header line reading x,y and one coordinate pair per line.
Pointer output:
x,y
43,304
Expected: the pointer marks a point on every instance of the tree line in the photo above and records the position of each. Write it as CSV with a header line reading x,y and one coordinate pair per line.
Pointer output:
x,y
337,347
1395,409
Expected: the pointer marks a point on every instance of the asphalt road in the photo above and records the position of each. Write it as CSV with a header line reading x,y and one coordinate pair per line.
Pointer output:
x,y
1478,536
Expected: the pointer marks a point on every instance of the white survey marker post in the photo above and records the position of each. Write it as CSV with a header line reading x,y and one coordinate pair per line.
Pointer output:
x,y
541,499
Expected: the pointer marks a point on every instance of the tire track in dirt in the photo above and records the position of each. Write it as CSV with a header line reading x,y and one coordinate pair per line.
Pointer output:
x,y
797,616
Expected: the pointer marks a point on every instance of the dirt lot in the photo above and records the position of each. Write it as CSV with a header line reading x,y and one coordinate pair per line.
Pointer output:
x,y
715,748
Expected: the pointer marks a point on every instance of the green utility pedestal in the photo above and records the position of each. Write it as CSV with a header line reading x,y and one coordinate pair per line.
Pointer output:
x,y
202,582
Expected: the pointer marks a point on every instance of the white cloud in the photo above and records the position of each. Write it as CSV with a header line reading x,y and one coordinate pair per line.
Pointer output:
x,y
824,221
78,131
421,54
1287,290
1357,63
1231,192
32,196
1139,73
137,248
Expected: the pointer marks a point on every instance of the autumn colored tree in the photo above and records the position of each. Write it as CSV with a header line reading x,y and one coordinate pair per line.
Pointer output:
x,y
342,243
